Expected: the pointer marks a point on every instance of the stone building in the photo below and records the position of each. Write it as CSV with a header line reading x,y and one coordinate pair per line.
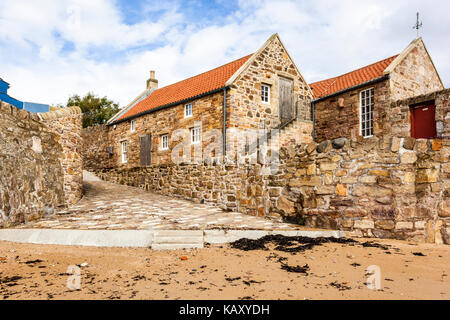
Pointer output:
x,y
358,103
262,91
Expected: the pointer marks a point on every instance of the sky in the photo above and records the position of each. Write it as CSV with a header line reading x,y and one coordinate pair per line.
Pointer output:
x,y
52,49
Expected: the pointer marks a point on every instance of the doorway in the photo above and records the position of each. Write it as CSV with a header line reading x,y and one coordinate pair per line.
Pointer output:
x,y
286,90
423,122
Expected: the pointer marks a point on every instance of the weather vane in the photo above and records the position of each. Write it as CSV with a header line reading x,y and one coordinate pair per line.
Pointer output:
x,y
418,25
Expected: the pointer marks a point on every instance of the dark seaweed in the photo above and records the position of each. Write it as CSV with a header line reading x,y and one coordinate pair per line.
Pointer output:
x,y
285,244
296,269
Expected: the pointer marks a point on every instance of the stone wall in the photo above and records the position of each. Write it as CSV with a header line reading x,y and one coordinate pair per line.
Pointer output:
x,y
96,140
67,124
38,169
377,187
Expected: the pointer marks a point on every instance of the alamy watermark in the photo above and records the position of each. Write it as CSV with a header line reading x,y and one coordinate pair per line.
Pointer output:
x,y
374,280
243,146
74,281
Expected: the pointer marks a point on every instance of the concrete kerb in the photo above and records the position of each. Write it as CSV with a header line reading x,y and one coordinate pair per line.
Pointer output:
x,y
94,238
154,239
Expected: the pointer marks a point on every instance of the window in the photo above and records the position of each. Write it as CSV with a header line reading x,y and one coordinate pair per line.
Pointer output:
x,y
124,152
188,110
133,125
195,135
265,93
164,142
366,112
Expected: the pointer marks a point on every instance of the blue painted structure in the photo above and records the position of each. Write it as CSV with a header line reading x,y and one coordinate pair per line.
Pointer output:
x,y
29,106
36,107
4,86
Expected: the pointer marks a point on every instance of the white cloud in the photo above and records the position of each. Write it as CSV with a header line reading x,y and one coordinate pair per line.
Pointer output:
x,y
112,58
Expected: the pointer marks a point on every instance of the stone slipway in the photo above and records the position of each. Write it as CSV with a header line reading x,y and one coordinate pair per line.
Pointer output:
x,y
157,240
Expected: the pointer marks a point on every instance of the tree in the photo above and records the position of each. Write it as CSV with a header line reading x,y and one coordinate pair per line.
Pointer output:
x,y
95,110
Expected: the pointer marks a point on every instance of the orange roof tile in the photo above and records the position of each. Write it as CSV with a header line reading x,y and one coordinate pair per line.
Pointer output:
x,y
188,88
329,86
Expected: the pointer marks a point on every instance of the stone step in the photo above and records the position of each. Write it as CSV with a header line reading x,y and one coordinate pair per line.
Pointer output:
x,y
177,239
176,246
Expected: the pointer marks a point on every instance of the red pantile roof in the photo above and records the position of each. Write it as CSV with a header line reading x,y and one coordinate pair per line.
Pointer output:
x,y
329,86
186,89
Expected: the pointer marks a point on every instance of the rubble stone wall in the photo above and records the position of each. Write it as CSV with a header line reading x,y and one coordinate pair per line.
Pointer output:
x,y
390,187
67,125
96,140
39,169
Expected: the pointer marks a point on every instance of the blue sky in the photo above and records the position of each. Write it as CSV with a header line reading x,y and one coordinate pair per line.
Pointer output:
x,y
50,49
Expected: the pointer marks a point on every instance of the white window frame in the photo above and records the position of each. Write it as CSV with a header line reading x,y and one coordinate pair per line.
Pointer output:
x,y
124,149
366,104
133,125
196,135
188,110
165,142
265,93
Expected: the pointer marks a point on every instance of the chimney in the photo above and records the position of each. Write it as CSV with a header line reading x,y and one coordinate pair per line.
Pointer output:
x,y
152,83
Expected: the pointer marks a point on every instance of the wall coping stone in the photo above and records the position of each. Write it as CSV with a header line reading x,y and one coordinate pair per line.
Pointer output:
x,y
65,112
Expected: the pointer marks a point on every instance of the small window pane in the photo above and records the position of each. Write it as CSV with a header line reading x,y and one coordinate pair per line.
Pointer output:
x,y
195,135
265,93
165,142
366,110
188,110
124,152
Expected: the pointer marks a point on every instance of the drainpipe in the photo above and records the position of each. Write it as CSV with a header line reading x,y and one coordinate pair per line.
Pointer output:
x,y
313,116
224,129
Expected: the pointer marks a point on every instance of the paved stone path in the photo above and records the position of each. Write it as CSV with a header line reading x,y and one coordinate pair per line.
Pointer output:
x,y
117,207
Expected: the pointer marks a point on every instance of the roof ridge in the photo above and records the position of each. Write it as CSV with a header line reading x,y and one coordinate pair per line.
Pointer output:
x,y
187,88
355,70
199,74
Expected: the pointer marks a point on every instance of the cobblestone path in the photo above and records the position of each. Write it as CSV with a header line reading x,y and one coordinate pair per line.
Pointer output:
x,y
111,206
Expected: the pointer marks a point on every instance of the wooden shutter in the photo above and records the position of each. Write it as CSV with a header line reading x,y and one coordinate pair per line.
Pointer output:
x,y
286,90
146,150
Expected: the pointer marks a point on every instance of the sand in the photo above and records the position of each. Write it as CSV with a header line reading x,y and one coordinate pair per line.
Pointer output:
x,y
335,271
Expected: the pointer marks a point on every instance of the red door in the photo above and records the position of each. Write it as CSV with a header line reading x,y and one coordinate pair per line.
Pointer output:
x,y
423,122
